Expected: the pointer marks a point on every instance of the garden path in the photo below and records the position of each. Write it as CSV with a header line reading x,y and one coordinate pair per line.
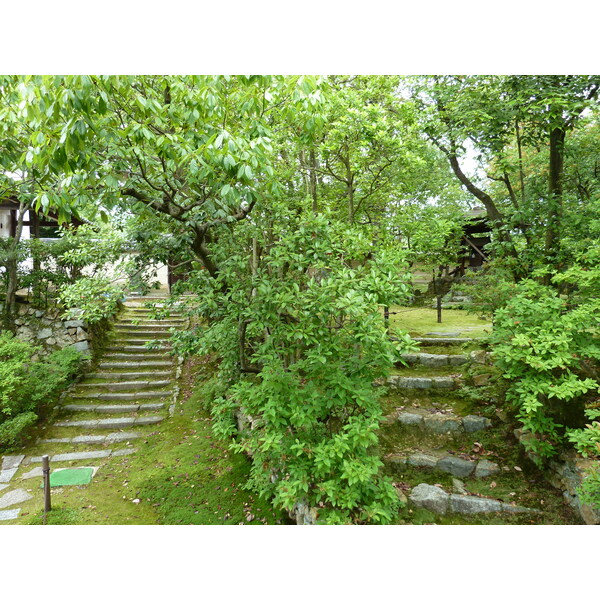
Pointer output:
x,y
132,388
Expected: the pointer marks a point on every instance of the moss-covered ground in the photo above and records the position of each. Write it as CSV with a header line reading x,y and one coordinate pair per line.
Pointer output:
x,y
180,475
420,321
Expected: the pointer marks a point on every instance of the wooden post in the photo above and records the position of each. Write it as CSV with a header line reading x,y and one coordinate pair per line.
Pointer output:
x,y
386,317
46,477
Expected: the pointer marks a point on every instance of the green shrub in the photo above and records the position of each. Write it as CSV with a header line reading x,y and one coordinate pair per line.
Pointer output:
x,y
548,349
307,332
28,389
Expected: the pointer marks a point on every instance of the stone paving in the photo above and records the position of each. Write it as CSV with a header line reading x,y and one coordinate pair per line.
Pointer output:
x,y
438,427
131,380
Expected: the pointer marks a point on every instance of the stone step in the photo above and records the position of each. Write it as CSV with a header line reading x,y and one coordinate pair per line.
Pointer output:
x,y
136,341
163,349
9,515
119,423
15,496
117,376
133,322
148,355
123,385
135,364
123,332
113,396
112,408
440,423
436,500
434,360
111,438
453,465
90,455
421,383
120,326
442,341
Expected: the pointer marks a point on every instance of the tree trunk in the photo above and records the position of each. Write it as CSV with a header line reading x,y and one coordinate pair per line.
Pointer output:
x,y
313,180
555,190
12,266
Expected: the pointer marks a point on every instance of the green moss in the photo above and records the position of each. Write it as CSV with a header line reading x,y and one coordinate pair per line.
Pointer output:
x,y
419,321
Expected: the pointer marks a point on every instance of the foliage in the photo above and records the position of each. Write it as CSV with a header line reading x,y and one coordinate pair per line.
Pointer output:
x,y
315,339
547,348
27,388
92,299
589,490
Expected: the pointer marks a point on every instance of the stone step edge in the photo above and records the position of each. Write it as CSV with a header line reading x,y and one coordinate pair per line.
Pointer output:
x,y
439,423
437,500
123,376
448,463
421,383
112,408
112,423
111,438
85,455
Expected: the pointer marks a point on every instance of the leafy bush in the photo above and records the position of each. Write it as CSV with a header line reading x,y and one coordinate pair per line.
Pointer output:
x,y
28,389
92,299
307,331
548,349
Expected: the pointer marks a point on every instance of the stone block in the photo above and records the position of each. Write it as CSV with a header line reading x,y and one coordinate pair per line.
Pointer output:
x,y
44,333
81,455
473,423
14,497
88,439
430,497
422,461
74,323
443,424
470,505
486,468
12,462
35,472
6,475
82,346
456,360
9,515
407,418
456,466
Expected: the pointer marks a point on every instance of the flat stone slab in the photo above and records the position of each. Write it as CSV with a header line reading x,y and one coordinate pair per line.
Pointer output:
x,y
7,475
81,455
132,365
14,497
12,462
486,468
441,341
470,505
3,486
443,424
124,376
124,452
430,497
148,420
9,515
456,466
407,418
35,472
422,460
473,423
89,439
421,383
122,436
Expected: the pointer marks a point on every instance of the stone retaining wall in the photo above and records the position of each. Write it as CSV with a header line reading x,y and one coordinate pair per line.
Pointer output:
x,y
566,474
46,328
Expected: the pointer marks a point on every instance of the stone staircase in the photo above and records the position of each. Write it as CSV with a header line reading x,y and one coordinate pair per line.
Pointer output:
x,y
446,458
132,389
